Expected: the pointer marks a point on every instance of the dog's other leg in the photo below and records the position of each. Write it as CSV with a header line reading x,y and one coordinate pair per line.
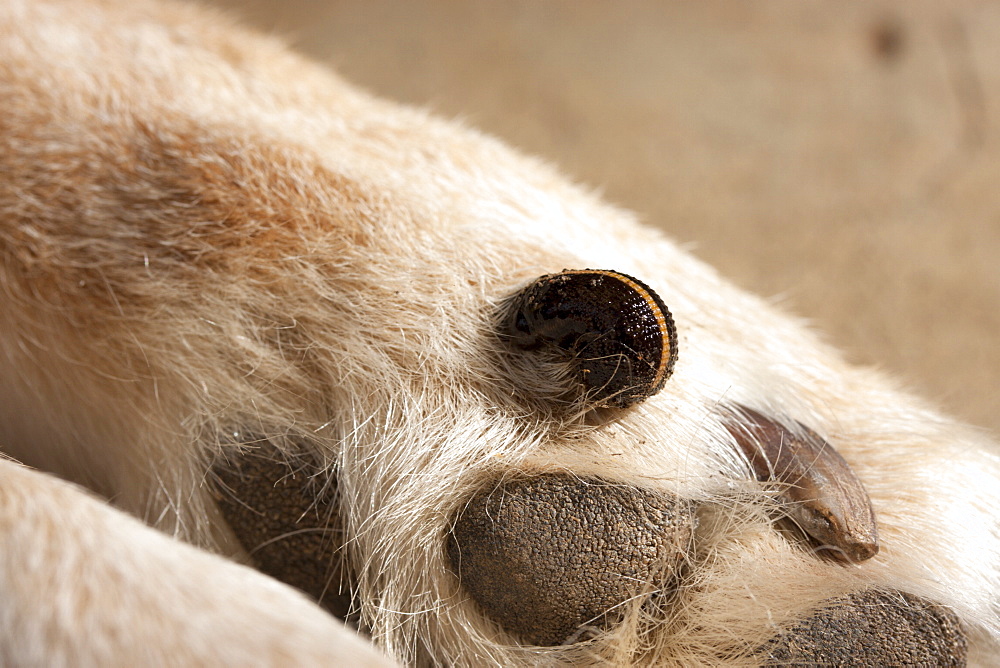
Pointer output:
x,y
84,584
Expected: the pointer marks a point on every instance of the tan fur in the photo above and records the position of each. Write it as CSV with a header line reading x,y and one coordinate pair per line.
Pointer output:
x,y
201,233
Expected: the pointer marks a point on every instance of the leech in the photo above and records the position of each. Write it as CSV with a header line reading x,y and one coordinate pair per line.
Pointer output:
x,y
821,493
613,330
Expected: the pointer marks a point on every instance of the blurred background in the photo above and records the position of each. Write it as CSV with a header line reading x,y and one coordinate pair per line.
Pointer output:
x,y
840,157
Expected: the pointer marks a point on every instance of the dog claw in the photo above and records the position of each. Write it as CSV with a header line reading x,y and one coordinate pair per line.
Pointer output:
x,y
820,491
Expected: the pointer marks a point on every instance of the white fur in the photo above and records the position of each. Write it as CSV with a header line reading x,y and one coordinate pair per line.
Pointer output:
x,y
201,233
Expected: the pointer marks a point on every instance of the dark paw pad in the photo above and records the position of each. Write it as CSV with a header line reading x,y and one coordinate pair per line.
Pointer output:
x,y
544,556
872,628
284,515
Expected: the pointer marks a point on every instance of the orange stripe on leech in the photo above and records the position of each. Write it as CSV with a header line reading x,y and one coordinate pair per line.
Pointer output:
x,y
661,320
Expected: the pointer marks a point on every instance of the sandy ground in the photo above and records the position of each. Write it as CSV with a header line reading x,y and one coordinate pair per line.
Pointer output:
x,y
841,157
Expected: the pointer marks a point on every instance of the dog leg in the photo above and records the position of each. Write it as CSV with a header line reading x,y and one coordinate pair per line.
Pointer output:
x,y
84,584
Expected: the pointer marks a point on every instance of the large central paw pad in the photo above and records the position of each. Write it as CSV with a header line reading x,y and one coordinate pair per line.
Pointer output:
x,y
547,555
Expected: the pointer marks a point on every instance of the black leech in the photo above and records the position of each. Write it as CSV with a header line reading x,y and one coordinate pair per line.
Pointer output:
x,y
613,330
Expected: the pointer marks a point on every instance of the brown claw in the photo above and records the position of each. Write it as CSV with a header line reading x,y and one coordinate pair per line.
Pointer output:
x,y
822,494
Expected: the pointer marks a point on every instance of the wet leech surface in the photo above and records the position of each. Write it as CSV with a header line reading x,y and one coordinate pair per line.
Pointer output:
x,y
611,330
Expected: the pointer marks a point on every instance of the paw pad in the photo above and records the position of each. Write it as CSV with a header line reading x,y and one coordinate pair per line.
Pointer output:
x,y
287,521
872,628
544,556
